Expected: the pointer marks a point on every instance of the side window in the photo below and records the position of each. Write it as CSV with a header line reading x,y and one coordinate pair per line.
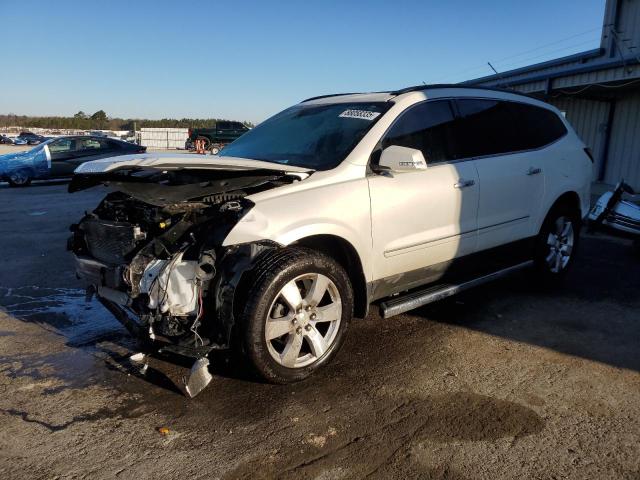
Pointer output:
x,y
537,126
426,127
485,127
494,127
113,145
61,146
92,144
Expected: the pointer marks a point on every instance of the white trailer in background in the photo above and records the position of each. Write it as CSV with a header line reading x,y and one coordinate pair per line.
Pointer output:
x,y
169,138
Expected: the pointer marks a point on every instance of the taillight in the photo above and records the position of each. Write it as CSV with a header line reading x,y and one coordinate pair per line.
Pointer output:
x,y
587,150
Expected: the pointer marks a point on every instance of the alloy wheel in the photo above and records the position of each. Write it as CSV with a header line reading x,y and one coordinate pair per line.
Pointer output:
x,y
19,177
560,241
303,321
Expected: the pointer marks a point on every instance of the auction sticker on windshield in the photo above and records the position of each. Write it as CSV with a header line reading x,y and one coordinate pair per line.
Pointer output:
x,y
361,114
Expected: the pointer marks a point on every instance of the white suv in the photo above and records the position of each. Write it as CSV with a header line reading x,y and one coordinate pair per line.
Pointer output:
x,y
335,203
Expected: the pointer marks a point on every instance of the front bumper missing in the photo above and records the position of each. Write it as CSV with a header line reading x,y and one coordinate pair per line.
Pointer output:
x,y
199,376
96,274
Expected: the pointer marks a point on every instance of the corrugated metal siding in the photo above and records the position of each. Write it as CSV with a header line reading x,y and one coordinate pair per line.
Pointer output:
x,y
556,69
624,149
598,76
532,87
589,120
626,73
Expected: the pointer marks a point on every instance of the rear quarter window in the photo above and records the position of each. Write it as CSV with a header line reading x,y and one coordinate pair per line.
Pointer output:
x,y
495,127
537,126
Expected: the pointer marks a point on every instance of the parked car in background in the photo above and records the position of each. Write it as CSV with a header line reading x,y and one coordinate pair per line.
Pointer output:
x,y
6,140
403,197
59,157
32,138
216,138
37,140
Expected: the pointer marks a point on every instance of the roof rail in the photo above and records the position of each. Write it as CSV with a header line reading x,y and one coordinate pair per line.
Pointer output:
x,y
327,96
419,88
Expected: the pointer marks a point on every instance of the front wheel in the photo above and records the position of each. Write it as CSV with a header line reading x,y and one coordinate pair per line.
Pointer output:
x,y
20,178
556,244
298,306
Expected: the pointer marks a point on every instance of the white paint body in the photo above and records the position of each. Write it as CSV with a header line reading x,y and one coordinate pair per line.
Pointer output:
x,y
402,222
408,218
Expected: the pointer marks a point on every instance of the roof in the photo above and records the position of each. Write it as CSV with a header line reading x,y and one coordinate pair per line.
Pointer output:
x,y
388,95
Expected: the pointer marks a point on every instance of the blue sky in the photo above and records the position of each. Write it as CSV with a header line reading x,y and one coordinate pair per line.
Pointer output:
x,y
247,60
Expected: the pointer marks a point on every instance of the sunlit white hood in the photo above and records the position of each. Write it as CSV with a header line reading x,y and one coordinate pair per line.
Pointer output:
x,y
169,161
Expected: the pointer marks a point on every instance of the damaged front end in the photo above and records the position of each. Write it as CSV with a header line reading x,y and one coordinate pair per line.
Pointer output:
x,y
152,254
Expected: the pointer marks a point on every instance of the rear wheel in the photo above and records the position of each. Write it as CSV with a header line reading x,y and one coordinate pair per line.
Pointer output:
x,y
299,305
215,150
556,244
20,178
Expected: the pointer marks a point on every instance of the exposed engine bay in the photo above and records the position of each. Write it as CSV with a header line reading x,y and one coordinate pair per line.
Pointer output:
x,y
151,251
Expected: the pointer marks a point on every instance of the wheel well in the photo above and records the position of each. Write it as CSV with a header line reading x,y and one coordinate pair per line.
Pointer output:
x,y
345,254
570,199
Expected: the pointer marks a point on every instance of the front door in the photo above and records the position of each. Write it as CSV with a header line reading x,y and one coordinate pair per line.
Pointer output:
x,y
422,220
61,152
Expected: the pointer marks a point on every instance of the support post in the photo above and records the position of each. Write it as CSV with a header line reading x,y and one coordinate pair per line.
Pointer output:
x,y
607,141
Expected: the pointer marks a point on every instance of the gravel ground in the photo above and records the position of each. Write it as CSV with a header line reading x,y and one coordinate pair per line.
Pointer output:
x,y
506,381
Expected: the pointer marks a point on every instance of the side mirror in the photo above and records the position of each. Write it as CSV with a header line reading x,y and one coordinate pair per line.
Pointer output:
x,y
401,159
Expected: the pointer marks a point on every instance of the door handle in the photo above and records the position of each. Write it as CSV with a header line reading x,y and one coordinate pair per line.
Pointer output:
x,y
464,183
534,171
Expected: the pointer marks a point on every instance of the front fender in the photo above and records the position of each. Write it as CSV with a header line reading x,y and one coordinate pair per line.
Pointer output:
x,y
341,210
36,161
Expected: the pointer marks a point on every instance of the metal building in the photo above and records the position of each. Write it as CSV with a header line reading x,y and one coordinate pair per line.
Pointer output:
x,y
598,89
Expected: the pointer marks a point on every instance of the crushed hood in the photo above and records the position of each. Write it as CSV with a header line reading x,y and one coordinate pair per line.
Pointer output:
x,y
168,161
163,179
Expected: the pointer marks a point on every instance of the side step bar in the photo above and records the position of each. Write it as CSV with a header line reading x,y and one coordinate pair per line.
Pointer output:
x,y
404,303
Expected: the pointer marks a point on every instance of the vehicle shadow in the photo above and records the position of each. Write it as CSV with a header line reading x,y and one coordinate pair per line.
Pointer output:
x,y
593,315
36,184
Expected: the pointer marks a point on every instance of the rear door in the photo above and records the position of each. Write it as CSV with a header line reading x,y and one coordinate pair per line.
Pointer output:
x,y
424,219
93,148
512,186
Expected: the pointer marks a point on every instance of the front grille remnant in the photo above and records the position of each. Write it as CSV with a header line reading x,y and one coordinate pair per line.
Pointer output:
x,y
109,242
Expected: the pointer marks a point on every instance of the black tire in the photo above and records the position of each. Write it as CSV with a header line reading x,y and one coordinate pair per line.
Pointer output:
x,y
20,178
552,270
215,150
272,272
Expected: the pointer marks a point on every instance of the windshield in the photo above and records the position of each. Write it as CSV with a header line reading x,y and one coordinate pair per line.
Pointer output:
x,y
311,136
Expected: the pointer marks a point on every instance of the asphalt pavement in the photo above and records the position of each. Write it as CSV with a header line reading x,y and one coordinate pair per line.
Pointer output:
x,y
511,380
